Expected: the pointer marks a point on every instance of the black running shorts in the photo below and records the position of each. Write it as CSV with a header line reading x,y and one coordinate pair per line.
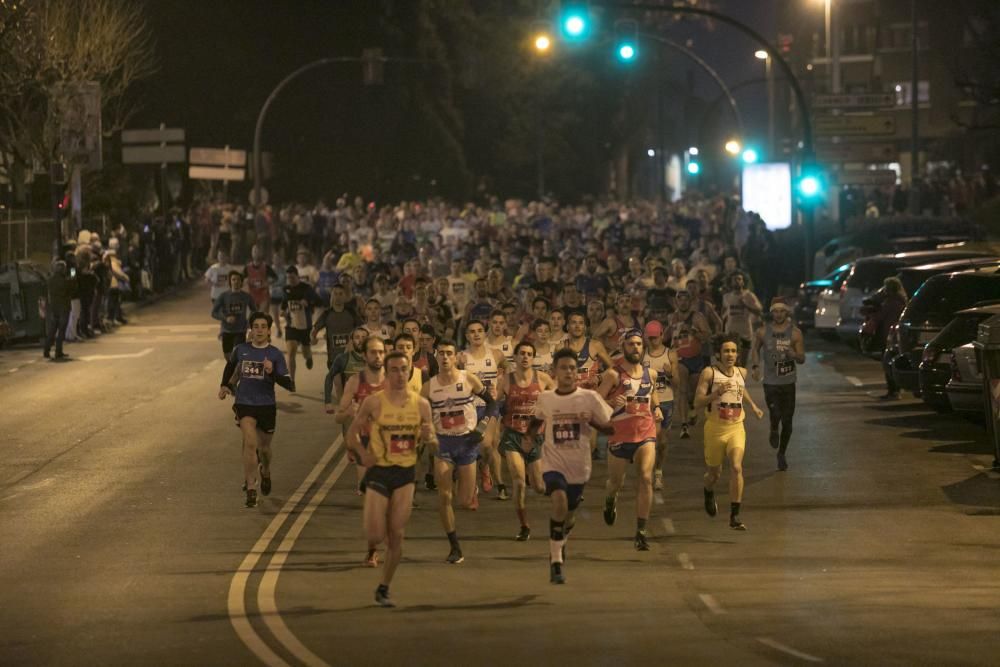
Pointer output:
x,y
265,415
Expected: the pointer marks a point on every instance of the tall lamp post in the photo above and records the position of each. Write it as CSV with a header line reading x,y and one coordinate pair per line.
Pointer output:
x,y
761,54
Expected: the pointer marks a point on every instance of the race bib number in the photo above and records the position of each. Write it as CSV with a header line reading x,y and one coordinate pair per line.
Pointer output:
x,y
565,433
730,412
636,405
295,306
340,340
402,443
662,381
235,308
783,368
253,370
450,420
221,280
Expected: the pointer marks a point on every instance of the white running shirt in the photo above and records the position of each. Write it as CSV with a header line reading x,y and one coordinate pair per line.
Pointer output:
x,y
567,433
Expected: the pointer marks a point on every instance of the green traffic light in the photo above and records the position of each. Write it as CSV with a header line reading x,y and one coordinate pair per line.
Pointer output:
x,y
626,52
809,186
750,156
693,168
575,25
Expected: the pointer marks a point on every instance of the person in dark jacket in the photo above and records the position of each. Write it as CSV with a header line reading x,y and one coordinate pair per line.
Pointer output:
x,y
57,310
888,315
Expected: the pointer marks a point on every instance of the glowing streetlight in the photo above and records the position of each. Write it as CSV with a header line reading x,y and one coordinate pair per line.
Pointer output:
x,y
693,150
542,43
650,152
733,147
760,54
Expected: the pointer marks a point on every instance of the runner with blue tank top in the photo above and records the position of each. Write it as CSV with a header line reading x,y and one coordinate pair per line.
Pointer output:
x,y
783,348
251,373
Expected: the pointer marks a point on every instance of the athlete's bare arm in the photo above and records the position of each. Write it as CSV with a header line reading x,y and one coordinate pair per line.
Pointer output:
x,y
426,422
346,408
609,380
798,346
747,397
598,350
369,410
546,381
702,397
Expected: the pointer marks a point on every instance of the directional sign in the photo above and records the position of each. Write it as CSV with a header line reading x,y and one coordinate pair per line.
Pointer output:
x,y
225,157
857,152
216,173
855,126
153,154
166,135
867,177
855,100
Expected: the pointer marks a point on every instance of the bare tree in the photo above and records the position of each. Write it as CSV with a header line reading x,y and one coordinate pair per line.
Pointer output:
x,y
48,45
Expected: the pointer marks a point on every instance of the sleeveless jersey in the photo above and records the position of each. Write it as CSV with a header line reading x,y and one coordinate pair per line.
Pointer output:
x,y
727,409
659,368
683,338
633,422
394,434
587,370
416,381
543,361
364,391
451,406
485,368
257,283
505,347
520,403
779,366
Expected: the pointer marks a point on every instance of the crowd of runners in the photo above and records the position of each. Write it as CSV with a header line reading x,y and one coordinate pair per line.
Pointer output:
x,y
506,348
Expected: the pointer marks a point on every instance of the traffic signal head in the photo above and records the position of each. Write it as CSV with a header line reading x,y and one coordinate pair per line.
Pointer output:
x,y
750,156
626,40
810,186
693,167
575,20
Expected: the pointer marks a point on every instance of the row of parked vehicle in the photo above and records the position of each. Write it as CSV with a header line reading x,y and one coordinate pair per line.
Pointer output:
x,y
927,349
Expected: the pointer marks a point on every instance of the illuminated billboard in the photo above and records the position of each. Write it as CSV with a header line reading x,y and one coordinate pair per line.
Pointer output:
x,y
767,191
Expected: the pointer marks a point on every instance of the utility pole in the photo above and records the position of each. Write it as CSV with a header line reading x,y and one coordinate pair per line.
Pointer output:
x,y
914,115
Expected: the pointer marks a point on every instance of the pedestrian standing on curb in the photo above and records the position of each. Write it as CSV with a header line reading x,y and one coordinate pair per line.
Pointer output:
x,y
57,311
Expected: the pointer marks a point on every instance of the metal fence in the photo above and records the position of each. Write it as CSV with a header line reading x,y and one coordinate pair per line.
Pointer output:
x,y
26,234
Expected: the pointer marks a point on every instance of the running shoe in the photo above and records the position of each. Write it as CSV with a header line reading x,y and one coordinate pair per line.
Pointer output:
x,y
711,507
523,535
610,510
658,480
640,542
309,364
485,479
455,556
694,419
371,560
736,524
556,574
684,432
773,439
382,597
782,463
429,482
502,493
251,498
265,483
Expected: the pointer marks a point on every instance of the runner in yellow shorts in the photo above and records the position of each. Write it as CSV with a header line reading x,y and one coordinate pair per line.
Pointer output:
x,y
721,391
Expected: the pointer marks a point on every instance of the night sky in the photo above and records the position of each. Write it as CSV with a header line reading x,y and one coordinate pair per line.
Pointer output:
x,y
219,60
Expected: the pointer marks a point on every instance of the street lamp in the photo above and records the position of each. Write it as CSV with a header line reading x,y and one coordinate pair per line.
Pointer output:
x,y
733,147
542,43
650,152
761,54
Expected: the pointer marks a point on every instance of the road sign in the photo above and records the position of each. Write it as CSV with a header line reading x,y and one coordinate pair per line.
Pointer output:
x,y
867,177
166,135
855,100
153,154
854,126
857,152
216,173
225,157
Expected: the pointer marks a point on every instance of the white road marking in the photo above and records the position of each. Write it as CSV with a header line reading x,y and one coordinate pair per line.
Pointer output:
x,y
668,526
778,646
269,582
236,602
853,380
685,561
13,370
209,365
28,363
712,604
104,357
658,498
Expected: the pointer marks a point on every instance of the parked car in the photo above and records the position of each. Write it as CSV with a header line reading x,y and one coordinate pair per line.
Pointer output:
x,y
805,306
827,311
913,277
965,387
868,274
930,309
935,369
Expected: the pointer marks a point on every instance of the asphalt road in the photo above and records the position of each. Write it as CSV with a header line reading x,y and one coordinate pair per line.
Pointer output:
x,y
125,540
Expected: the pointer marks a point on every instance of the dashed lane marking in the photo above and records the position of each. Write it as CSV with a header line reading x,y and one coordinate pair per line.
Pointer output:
x,y
668,526
712,604
853,380
778,646
236,603
105,357
685,561
658,498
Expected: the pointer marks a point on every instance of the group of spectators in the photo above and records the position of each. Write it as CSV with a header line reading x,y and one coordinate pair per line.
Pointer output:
x,y
943,193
